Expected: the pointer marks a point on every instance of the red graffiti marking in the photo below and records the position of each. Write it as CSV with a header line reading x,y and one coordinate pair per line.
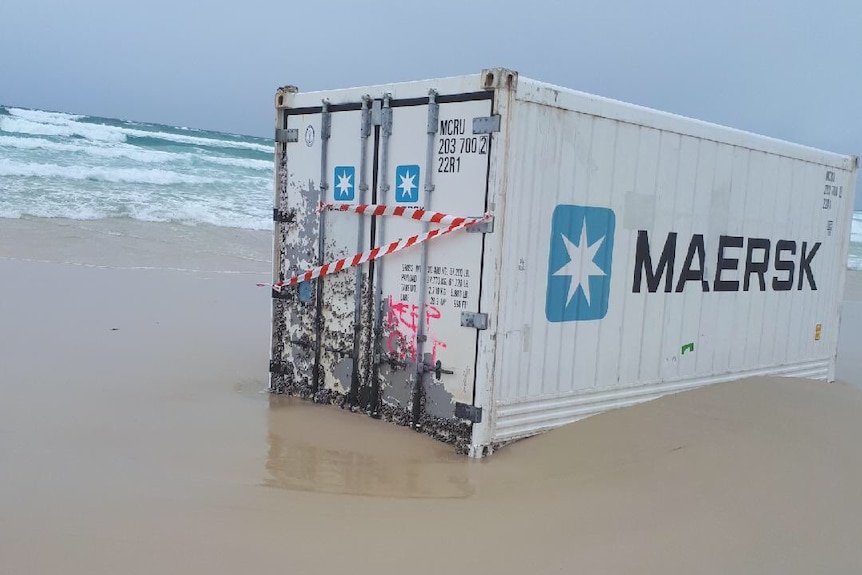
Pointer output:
x,y
402,319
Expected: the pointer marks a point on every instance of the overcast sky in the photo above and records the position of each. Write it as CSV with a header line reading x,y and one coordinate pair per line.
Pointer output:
x,y
785,68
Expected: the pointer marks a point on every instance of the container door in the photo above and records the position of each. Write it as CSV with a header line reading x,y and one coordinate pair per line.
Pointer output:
x,y
389,335
329,158
430,158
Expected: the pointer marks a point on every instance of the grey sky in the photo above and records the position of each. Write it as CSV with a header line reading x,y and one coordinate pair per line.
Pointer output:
x,y
785,68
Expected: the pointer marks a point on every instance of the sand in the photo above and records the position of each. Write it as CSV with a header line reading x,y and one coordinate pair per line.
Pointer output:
x,y
136,436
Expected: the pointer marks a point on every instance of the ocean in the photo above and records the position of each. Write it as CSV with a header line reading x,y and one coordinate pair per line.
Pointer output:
x,y
854,258
58,165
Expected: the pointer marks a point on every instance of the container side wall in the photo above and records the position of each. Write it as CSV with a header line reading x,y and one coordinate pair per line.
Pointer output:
x,y
639,260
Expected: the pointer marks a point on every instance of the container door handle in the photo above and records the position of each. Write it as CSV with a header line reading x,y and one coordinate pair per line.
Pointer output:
x,y
438,370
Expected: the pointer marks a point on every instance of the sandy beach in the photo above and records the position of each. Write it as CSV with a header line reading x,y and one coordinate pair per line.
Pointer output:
x,y
137,436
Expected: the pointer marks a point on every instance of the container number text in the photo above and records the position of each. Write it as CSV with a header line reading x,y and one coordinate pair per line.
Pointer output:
x,y
449,164
454,142
468,145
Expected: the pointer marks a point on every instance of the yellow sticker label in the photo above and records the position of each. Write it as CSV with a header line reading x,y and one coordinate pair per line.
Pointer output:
x,y
817,332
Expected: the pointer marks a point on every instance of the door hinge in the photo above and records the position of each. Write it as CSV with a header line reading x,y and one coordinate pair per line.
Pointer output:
x,y
286,136
486,227
474,319
278,367
486,124
280,294
283,217
468,412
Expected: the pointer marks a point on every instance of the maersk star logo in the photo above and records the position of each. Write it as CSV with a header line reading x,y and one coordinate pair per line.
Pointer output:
x,y
579,266
345,180
407,184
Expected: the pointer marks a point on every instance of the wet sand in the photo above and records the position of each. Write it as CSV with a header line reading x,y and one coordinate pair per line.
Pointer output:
x,y
136,436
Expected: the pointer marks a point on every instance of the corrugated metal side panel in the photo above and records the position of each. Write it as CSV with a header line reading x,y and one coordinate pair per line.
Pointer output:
x,y
540,414
660,182
566,98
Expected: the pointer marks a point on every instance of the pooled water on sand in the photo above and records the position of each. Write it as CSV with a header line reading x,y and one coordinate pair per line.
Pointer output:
x,y
326,450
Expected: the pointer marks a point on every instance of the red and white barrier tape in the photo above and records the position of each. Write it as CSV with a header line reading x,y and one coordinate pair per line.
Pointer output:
x,y
417,214
455,224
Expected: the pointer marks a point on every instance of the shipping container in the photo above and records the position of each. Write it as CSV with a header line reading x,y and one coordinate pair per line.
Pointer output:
x,y
486,257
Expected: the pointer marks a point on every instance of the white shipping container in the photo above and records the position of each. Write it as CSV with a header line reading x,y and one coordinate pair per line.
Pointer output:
x,y
628,253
